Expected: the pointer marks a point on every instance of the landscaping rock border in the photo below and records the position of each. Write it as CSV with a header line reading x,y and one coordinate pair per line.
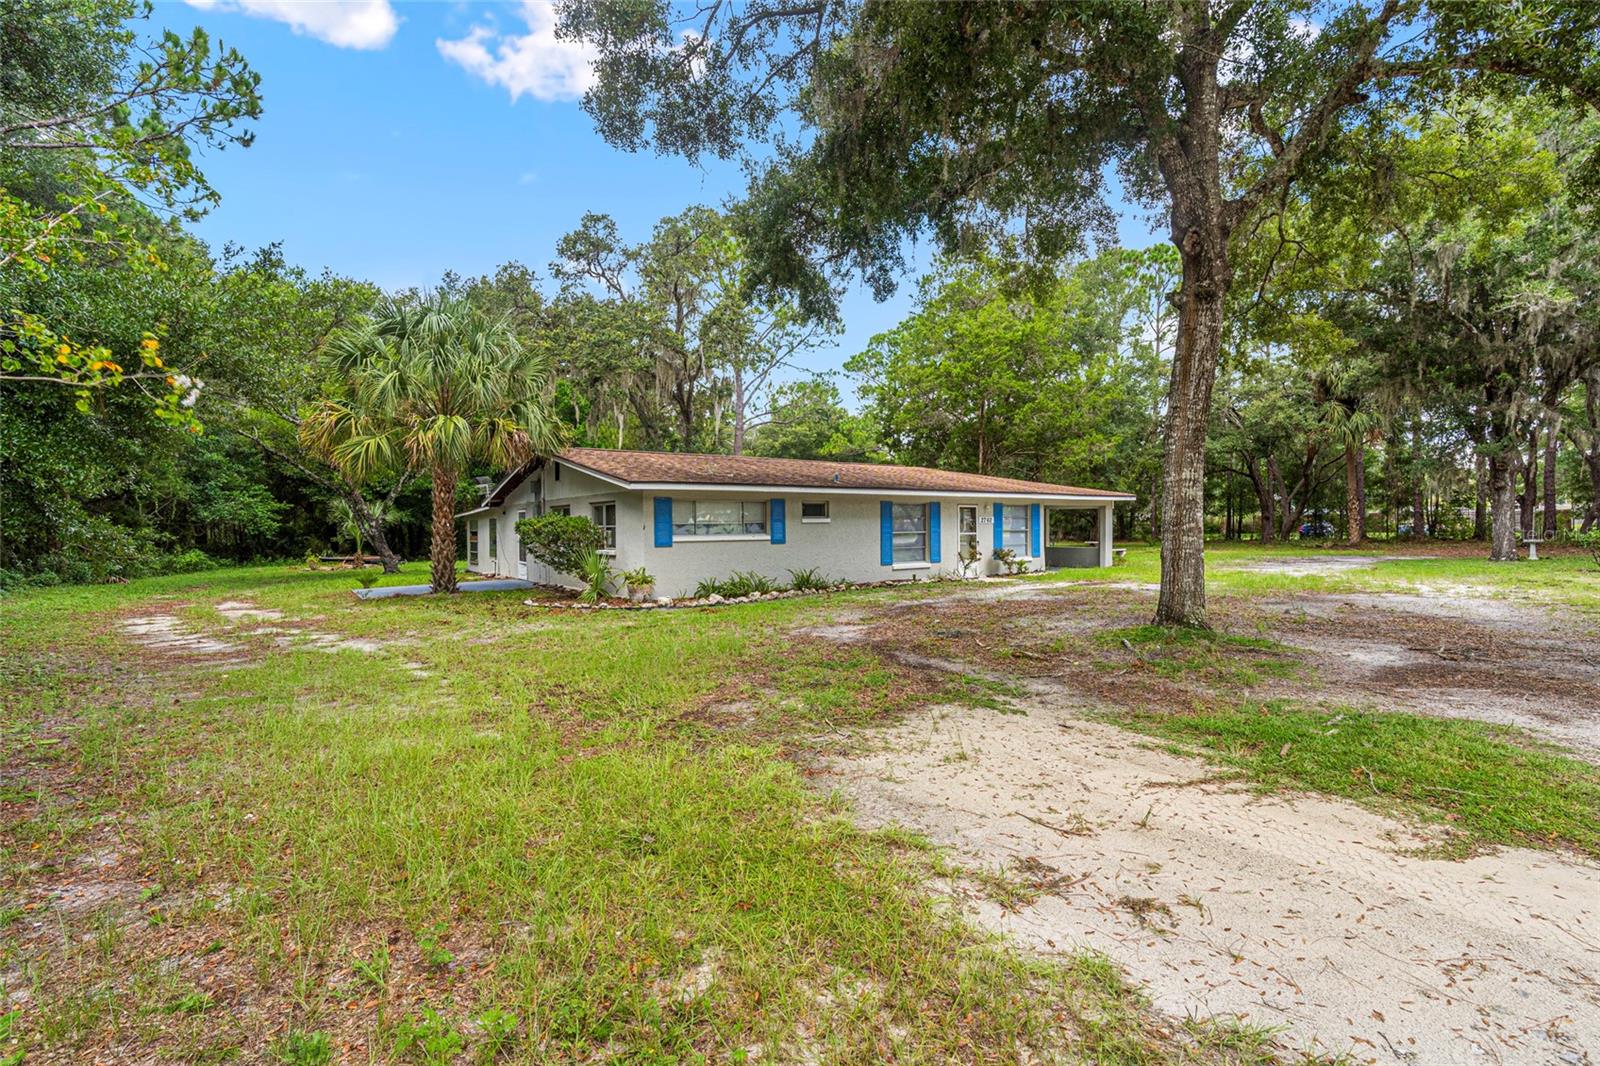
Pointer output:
x,y
715,600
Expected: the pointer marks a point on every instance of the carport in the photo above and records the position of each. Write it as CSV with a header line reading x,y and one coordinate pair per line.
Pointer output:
x,y
1066,547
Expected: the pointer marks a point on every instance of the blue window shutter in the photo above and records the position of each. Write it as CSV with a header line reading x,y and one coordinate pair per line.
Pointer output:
x,y
775,521
663,521
999,526
933,532
886,533
1033,531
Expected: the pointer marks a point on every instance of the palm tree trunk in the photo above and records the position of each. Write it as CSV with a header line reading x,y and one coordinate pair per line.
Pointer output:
x,y
442,554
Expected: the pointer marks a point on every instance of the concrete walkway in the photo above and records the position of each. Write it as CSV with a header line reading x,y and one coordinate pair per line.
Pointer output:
x,y
498,585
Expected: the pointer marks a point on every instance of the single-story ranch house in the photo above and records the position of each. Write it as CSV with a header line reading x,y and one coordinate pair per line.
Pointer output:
x,y
685,518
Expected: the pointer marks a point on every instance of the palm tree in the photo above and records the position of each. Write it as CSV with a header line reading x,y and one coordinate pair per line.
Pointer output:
x,y
1349,410
349,522
432,384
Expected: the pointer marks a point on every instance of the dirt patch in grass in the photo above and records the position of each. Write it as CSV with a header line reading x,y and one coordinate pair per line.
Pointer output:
x,y
1490,660
1313,565
1509,665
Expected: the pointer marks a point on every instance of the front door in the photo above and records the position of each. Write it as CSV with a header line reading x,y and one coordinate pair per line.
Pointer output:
x,y
522,553
967,541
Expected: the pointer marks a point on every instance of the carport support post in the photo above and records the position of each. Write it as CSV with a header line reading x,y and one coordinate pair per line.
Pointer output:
x,y
1105,534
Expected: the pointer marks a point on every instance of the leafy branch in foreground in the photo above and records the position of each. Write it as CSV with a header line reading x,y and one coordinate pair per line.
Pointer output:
x,y
97,131
30,351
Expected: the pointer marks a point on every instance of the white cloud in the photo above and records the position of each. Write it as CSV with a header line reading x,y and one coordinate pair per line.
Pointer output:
x,y
345,23
535,63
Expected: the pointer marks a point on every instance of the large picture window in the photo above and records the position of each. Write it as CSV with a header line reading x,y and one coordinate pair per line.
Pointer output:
x,y
605,516
718,518
910,532
1016,529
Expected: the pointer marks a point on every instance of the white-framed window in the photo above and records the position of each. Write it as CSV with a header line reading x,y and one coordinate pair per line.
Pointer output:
x,y
604,515
814,511
494,540
1015,528
967,534
910,530
472,543
719,518
561,508
522,549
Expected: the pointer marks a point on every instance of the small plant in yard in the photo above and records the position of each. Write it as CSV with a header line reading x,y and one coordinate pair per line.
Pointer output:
x,y
747,583
968,559
1591,541
434,953
742,583
296,1048
193,1002
428,1037
499,1028
1007,557
810,579
367,578
640,582
374,971
8,1024
597,576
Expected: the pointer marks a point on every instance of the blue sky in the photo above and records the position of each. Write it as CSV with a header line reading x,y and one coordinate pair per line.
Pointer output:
x,y
402,140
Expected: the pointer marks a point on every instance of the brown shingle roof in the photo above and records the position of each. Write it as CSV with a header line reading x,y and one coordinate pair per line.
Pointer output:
x,y
678,468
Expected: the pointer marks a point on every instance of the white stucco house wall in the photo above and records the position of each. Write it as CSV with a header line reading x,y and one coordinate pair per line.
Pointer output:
x,y
685,518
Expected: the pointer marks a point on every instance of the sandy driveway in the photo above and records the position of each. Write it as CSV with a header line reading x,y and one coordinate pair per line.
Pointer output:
x,y
1301,913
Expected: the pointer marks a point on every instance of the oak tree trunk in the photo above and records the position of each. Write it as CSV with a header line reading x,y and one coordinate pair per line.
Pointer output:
x,y
1480,507
1194,371
1530,484
372,531
738,411
442,550
1263,490
1419,506
1592,461
1502,506
1550,447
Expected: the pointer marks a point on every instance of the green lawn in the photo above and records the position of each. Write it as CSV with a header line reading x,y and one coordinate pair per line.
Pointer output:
x,y
552,836
1486,783
1567,578
577,835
